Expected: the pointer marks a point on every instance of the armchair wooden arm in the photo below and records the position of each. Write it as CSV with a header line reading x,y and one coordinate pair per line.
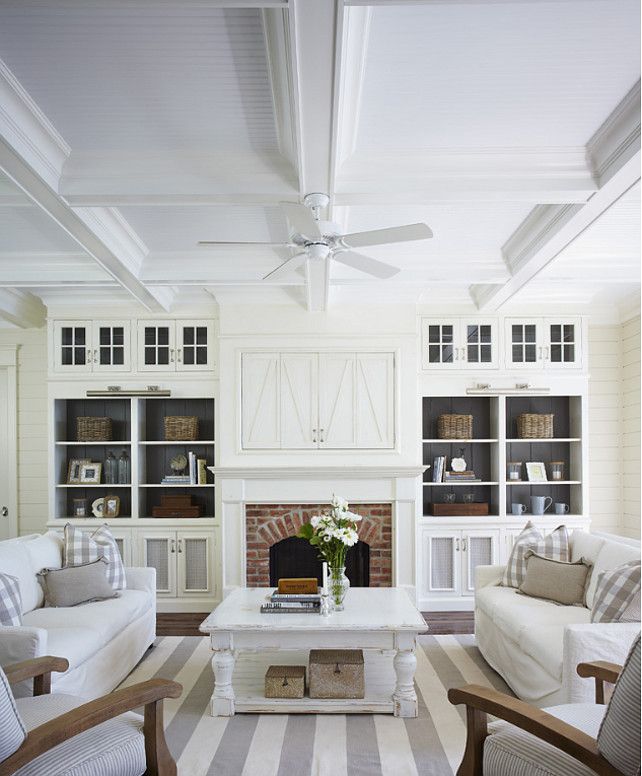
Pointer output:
x,y
603,672
481,701
149,694
37,668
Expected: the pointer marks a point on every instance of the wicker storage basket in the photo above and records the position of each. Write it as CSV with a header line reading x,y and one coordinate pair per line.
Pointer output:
x,y
93,429
285,682
179,428
336,673
455,427
534,426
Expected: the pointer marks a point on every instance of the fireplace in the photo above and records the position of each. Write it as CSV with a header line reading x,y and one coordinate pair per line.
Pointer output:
x,y
273,551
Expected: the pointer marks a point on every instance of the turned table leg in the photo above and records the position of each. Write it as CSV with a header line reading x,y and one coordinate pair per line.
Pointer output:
x,y
404,696
222,703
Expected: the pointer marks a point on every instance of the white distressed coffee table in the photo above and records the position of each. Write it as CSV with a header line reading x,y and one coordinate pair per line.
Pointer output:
x,y
381,621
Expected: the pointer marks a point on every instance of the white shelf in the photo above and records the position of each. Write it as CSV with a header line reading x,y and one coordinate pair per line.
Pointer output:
x,y
113,443
182,443
177,485
546,482
458,441
95,485
458,484
549,440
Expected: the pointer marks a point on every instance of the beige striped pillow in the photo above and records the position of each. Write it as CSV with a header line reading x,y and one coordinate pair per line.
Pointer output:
x,y
555,546
617,594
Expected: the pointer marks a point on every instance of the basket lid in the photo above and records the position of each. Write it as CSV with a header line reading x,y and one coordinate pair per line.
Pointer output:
x,y
345,656
293,672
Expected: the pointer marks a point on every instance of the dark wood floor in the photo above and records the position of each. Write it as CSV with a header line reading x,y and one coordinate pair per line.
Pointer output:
x,y
186,623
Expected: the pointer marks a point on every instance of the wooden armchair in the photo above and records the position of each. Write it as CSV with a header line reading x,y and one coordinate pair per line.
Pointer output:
x,y
157,760
565,737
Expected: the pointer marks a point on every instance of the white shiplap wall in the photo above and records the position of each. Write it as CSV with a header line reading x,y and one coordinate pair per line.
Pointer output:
x,y
630,349
32,426
605,426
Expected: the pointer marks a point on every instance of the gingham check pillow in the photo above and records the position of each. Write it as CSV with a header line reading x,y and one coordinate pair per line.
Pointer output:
x,y
616,592
553,547
81,548
10,601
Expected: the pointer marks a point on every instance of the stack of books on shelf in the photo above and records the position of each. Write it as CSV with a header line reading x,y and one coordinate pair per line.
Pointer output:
x,y
197,473
440,474
460,477
292,603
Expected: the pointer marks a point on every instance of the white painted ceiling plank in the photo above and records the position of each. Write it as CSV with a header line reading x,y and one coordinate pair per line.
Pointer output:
x,y
21,308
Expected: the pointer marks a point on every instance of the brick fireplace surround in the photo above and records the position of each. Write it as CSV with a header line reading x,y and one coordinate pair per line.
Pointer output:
x,y
267,524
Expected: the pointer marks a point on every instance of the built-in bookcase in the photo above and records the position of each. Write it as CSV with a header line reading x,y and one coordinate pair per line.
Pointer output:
x,y
138,429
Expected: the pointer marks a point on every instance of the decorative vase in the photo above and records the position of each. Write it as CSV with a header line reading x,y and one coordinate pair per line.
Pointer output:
x,y
338,584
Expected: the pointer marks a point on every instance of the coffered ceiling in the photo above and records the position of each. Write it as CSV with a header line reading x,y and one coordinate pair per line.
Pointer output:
x,y
130,131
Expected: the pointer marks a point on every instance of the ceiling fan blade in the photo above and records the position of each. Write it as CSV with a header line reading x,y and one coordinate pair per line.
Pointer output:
x,y
300,220
241,242
288,266
373,267
394,234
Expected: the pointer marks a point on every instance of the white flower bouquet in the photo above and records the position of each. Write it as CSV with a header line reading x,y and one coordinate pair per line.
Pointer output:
x,y
333,532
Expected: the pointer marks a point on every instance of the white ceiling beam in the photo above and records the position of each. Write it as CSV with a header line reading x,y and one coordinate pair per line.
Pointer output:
x,y
22,309
614,153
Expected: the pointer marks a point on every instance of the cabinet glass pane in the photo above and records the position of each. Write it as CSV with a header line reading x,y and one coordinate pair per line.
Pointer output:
x,y
556,333
163,335
447,333
79,335
79,355
433,334
530,332
158,558
104,335
118,335
473,354
105,355
195,564
569,333
67,356
486,354
442,573
119,356
201,355
556,353
66,335
201,335
188,355
433,354
150,336
569,353
518,354
446,354
516,333
485,333
150,355
163,356
472,333
530,352
188,335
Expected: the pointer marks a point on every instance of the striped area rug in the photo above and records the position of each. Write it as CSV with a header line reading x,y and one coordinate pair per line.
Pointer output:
x,y
317,745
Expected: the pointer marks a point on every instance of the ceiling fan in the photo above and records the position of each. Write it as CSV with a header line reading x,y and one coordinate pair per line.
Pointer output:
x,y
318,240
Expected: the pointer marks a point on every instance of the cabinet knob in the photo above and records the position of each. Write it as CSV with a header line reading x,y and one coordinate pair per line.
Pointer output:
x,y
180,545
5,511
172,355
321,435
173,546
179,355
456,545
463,545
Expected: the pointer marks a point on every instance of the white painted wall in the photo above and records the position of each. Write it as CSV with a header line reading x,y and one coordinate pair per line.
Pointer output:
x,y
32,426
630,372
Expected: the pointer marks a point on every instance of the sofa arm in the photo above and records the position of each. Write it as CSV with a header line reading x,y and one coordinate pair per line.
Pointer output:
x,y
587,642
17,644
142,578
488,576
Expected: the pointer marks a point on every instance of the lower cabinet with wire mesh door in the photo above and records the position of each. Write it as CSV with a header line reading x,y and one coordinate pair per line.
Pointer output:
x,y
184,563
449,559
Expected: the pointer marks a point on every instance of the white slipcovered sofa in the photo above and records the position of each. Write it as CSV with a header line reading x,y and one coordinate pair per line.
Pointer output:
x,y
102,640
535,644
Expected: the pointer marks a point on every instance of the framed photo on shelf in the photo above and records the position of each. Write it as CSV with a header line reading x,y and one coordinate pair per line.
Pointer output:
x,y
73,471
90,473
111,506
536,471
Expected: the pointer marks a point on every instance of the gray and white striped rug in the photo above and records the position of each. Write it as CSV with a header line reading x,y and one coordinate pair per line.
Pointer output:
x,y
317,745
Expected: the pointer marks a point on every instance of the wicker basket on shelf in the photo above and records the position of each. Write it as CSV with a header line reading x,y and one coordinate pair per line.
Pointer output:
x,y
534,426
455,427
181,428
89,429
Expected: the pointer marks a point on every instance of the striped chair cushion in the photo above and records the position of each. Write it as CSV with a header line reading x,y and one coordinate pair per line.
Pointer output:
x,y
617,595
555,546
619,737
12,729
10,600
81,548
114,748
510,751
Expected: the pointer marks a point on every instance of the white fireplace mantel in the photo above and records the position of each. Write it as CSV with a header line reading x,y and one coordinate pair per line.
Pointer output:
x,y
397,485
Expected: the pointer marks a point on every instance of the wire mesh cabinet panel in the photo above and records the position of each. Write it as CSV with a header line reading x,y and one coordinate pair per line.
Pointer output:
x,y
194,556
478,548
159,552
441,562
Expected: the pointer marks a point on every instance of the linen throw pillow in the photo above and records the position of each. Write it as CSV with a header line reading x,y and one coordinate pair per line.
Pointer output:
x,y
617,595
73,585
10,600
81,548
554,546
555,580
618,739
12,729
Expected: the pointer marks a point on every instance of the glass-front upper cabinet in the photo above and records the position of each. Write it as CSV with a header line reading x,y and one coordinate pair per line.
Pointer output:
x,y
458,343
544,343
91,346
175,346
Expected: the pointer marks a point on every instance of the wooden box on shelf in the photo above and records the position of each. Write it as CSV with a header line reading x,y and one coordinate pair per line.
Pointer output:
x,y
177,506
459,510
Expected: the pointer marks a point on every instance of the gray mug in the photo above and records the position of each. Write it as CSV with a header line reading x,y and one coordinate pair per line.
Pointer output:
x,y
539,505
518,509
562,509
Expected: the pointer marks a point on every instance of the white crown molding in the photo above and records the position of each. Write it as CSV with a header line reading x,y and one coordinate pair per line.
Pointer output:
x,y
26,128
318,473
618,139
22,309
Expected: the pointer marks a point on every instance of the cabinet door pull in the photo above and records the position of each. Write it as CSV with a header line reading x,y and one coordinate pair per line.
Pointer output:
x,y
96,361
456,545
541,349
180,545
173,546
172,355
546,356
314,435
179,356
463,545
321,435
463,354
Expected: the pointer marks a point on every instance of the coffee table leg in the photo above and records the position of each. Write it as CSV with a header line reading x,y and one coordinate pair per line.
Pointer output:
x,y
404,696
222,703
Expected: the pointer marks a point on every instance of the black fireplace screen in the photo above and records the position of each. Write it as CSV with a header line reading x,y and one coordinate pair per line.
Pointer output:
x,y
294,557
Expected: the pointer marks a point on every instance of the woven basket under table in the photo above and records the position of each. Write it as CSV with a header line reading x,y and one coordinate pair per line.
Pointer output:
x,y
90,429
179,428
534,426
455,427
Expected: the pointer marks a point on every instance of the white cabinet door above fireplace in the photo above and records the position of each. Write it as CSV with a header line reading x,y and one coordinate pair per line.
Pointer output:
x,y
299,400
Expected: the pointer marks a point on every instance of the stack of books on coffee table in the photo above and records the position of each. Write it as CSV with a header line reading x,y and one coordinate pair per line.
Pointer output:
x,y
292,603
